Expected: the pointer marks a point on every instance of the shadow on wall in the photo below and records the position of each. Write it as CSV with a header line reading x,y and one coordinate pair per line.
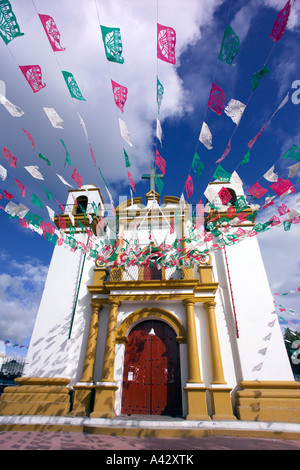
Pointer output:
x,y
57,353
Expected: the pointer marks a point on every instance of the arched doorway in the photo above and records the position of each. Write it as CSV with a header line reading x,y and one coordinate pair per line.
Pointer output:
x,y
151,379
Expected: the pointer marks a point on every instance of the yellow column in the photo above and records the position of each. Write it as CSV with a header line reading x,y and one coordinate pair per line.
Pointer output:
x,y
192,347
196,393
88,367
109,354
220,395
105,390
217,368
84,388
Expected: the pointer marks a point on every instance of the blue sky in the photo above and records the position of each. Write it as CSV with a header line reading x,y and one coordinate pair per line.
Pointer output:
x,y
25,255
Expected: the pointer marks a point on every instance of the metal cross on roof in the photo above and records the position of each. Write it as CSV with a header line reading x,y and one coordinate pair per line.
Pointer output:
x,y
151,177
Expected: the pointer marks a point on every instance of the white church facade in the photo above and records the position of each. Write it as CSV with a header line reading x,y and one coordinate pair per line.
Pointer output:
x,y
195,340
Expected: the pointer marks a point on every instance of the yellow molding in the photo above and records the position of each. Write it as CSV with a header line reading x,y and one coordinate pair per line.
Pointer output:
x,y
277,384
152,284
152,312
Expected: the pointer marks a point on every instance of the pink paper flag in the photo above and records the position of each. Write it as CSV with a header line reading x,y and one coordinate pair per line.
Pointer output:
x,y
283,209
120,94
172,226
76,177
51,32
281,186
189,187
62,223
131,182
33,75
160,162
216,100
21,187
252,141
224,195
61,206
226,152
281,22
275,220
30,138
9,156
166,40
8,195
257,191
92,155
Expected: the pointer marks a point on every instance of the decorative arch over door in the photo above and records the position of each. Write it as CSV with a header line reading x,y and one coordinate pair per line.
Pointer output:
x,y
151,378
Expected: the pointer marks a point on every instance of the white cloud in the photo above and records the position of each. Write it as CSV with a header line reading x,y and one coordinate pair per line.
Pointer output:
x,y
21,287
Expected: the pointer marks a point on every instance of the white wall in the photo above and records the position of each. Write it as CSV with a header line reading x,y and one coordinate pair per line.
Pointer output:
x,y
260,344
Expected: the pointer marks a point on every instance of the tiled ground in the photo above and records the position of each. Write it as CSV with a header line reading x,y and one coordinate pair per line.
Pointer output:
x,y
34,440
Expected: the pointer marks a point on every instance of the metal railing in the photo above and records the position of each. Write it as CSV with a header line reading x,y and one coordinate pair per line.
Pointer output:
x,y
135,273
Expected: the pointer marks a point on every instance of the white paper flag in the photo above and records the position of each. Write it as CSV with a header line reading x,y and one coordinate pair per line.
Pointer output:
x,y
159,131
63,181
3,173
206,136
270,175
283,102
34,171
181,202
211,194
235,110
72,218
50,212
19,210
124,132
54,118
293,169
236,181
15,111
84,127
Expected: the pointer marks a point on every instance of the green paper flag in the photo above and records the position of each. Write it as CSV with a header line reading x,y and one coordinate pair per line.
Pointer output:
x,y
49,196
72,85
197,164
9,28
103,177
230,46
127,162
240,204
221,174
36,201
159,184
68,158
293,153
44,158
160,93
112,44
246,158
256,77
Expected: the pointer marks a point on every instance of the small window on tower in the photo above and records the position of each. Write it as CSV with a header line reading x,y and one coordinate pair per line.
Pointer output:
x,y
233,200
82,203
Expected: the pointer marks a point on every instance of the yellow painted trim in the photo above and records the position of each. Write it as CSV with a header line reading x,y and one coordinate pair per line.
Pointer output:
x,y
268,401
152,284
151,312
155,297
148,432
89,189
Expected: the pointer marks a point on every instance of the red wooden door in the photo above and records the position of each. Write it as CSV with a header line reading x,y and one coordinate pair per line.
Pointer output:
x,y
151,380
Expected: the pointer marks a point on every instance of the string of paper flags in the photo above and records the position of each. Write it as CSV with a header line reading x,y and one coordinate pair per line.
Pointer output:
x,y
235,109
166,40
